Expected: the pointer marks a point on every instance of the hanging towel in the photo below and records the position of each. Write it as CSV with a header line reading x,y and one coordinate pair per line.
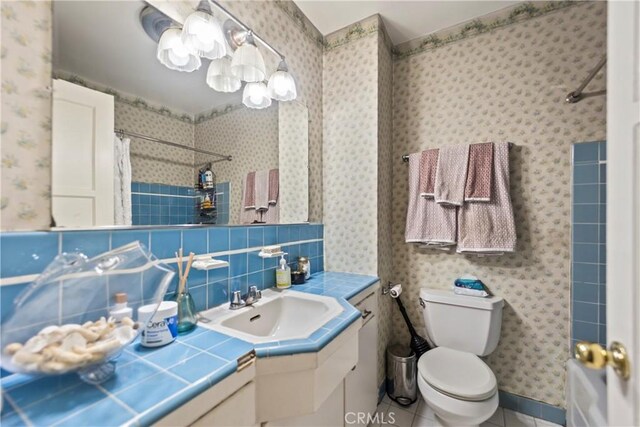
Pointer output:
x,y
489,228
428,223
451,174
428,165
479,173
262,190
122,181
274,186
249,191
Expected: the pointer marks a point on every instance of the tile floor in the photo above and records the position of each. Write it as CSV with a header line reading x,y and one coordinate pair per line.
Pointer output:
x,y
420,415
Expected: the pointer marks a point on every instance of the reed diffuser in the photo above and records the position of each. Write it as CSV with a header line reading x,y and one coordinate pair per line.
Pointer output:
x,y
187,317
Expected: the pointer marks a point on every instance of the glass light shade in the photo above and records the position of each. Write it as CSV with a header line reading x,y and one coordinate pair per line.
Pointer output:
x,y
219,76
282,87
203,35
173,54
247,63
255,95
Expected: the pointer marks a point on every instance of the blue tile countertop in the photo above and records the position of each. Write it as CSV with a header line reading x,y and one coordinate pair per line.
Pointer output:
x,y
150,383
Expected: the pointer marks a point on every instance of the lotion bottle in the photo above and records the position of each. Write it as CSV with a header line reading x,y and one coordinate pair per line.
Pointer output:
x,y
283,275
120,309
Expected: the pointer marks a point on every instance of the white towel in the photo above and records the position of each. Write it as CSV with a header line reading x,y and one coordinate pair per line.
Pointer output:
x,y
489,228
451,174
122,181
428,223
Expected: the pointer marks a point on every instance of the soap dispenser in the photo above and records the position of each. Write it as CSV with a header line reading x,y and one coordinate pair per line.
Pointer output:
x,y
283,275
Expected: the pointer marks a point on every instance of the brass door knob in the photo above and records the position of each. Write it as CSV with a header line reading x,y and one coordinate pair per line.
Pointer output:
x,y
593,356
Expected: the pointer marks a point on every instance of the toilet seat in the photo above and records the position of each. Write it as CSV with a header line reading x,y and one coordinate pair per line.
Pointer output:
x,y
457,374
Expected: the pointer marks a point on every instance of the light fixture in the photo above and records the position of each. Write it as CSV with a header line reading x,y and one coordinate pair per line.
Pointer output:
x,y
173,54
202,34
281,86
247,63
255,95
219,76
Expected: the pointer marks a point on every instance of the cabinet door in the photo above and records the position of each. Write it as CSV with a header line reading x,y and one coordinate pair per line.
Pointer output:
x,y
360,385
329,414
239,409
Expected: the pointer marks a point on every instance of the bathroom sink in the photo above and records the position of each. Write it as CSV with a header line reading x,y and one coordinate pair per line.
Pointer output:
x,y
279,315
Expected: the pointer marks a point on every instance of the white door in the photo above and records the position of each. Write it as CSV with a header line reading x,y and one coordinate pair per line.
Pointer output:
x,y
82,158
623,210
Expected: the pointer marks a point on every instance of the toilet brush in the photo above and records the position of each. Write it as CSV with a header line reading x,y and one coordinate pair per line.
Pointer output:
x,y
418,344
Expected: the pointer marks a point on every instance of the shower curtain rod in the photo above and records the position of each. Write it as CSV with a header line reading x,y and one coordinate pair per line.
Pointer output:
x,y
123,132
577,95
405,158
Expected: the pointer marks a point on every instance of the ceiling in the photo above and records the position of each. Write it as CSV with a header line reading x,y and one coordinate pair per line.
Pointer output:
x,y
404,20
103,42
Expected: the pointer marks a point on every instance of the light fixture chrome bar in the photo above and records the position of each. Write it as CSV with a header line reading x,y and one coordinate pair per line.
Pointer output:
x,y
172,144
577,95
405,157
241,24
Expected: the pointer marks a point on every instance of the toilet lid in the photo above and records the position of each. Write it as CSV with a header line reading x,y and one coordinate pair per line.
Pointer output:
x,y
458,374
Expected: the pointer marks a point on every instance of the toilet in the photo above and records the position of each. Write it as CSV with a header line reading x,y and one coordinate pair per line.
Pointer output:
x,y
459,387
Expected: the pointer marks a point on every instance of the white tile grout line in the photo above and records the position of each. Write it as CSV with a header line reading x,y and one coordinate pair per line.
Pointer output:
x,y
16,280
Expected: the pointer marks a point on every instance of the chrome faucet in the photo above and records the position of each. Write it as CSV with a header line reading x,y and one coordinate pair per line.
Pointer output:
x,y
239,301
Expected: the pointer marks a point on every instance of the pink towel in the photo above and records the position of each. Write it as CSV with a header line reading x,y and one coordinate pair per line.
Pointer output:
x,y
489,228
428,223
249,191
451,174
274,186
428,165
262,190
479,173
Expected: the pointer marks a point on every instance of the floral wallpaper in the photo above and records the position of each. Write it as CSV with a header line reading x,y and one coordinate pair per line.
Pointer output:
x,y
357,162
293,148
25,191
385,207
152,162
250,136
507,84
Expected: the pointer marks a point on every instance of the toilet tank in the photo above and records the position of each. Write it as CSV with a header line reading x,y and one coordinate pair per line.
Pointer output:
x,y
462,322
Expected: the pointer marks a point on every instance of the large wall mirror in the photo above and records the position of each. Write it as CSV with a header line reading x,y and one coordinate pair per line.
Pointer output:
x,y
136,143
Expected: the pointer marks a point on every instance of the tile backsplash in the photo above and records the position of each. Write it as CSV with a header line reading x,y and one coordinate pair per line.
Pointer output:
x,y
160,204
589,264
24,255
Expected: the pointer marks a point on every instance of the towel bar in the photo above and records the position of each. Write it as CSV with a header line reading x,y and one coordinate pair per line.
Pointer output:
x,y
405,157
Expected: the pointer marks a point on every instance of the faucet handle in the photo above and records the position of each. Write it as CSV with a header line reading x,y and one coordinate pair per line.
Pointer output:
x,y
236,300
253,291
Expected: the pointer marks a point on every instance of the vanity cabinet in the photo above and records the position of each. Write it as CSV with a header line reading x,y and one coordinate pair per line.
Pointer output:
x,y
360,385
239,409
357,393
231,402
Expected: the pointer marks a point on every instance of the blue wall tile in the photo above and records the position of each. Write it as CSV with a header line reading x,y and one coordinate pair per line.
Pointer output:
x,y
586,252
26,253
589,214
218,239
121,238
237,264
165,243
211,287
585,292
237,238
194,241
256,238
586,193
586,174
586,152
586,233
90,243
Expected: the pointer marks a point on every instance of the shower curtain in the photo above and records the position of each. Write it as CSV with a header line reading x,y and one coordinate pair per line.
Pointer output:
x,y
122,181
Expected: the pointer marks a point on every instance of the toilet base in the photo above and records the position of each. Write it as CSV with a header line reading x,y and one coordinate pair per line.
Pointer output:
x,y
450,411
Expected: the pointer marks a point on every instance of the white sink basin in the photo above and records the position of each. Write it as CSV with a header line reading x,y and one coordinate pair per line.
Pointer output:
x,y
279,315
